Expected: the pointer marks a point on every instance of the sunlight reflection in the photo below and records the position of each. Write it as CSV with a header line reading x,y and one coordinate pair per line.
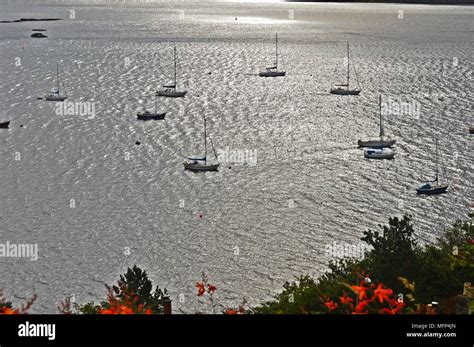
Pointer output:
x,y
251,20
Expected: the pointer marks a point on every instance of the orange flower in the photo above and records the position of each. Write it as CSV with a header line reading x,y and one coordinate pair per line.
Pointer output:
x,y
201,288
345,300
396,305
122,309
101,311
361,291
7,310
125,310
231,311
211,288
361,308
382,294
331,305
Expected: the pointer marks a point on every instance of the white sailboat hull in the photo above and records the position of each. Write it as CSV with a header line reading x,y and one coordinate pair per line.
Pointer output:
x,y
55,97
377,153
171,93
341,91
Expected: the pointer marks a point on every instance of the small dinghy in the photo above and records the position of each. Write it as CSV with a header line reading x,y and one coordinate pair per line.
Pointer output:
x,y
433,187
4,125
147,115
200,164
379,153
273,70
170,90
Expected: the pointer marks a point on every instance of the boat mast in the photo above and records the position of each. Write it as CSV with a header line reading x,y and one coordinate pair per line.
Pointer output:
x,y
348,65
436,177
381,122
276,51
175,66
57,76
205,141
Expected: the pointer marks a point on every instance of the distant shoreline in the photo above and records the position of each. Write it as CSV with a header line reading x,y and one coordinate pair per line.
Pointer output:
x,y
414,2
21,20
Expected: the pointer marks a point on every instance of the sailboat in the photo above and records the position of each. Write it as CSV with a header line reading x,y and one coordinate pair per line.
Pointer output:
x,y
378,143
433,187
147,115
170,90
55,94
380,151
345,89
200,164
272,71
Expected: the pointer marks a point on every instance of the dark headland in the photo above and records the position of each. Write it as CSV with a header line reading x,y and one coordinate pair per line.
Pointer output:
x,y
30,20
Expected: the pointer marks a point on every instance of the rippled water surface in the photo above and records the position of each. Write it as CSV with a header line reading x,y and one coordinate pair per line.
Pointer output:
x,y
250,227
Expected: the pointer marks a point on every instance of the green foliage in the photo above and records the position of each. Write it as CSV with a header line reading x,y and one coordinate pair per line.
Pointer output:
x,y
447,265
7,304
135,281
394,253
298,297
438,271
3,302
89,308
460,234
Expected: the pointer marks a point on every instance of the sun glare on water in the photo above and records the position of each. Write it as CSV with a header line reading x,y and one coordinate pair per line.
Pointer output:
x,y
254,20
